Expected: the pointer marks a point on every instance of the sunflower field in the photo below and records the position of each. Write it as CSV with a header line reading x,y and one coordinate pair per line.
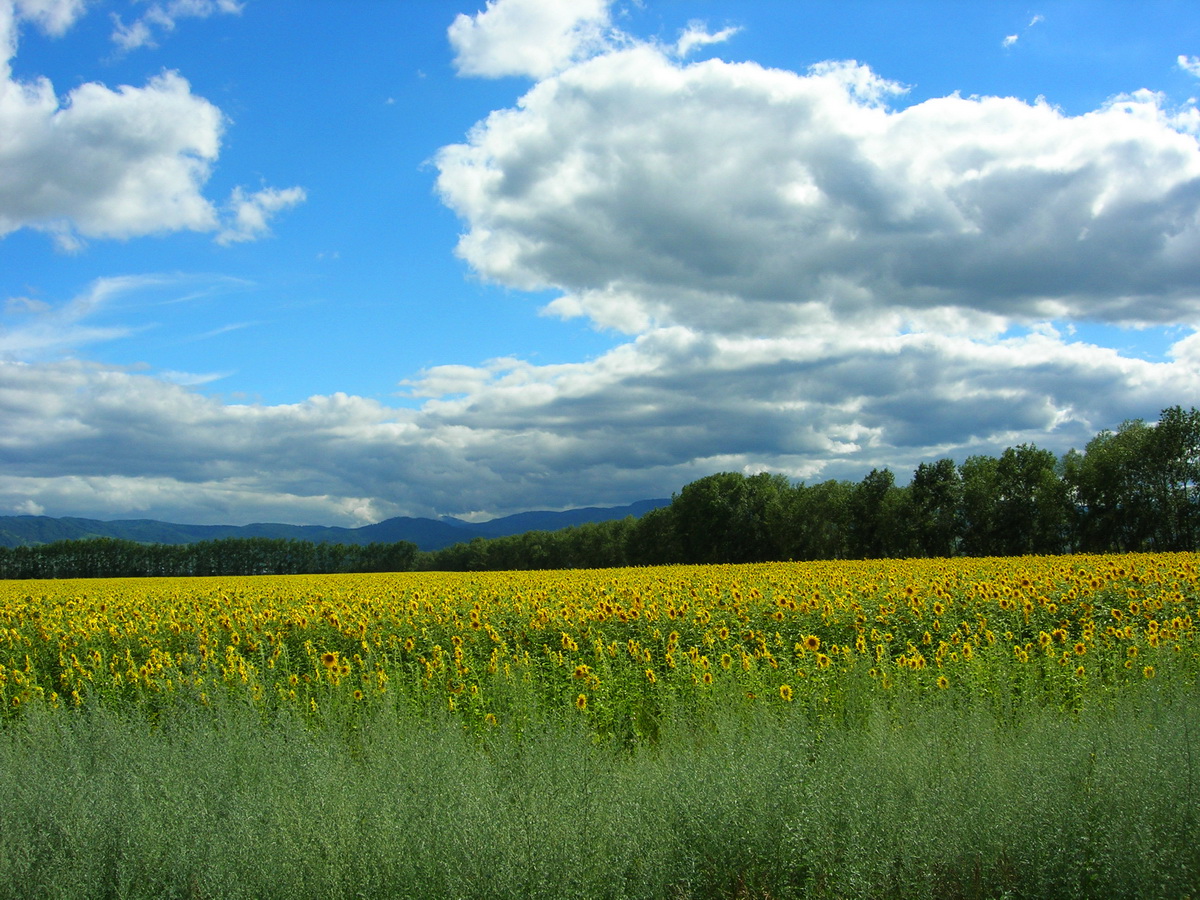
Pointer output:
x,y
758,730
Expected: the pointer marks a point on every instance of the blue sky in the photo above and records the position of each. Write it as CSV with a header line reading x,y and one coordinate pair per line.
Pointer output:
x,y
330,262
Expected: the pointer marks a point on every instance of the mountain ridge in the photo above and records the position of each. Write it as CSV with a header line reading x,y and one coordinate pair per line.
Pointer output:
x,y
427,534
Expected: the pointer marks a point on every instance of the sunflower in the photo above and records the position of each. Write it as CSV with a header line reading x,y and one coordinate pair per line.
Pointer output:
x,y
812,642
581,701
650,676
943,682
329,659
785,692
1148,672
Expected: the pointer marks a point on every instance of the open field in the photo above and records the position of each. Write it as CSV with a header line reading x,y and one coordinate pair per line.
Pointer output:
x,y
943,728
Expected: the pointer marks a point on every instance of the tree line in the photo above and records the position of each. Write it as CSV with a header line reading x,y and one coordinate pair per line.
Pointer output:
x,y
116,558
1136,488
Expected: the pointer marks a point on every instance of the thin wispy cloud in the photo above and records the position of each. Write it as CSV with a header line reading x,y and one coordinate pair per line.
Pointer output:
x,y
1011,39
162,18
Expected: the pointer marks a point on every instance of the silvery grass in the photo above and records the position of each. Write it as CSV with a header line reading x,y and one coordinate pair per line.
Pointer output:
x,y
936,799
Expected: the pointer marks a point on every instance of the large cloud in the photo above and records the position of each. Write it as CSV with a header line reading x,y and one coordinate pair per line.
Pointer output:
x,y
105,163
731,196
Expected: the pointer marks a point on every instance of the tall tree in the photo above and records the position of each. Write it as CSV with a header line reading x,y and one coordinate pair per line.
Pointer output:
x,y
979,502
1173,477
935,500
1108,482
1031,502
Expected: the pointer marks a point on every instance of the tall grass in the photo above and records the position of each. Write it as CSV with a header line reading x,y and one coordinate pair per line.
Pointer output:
x,y
942,798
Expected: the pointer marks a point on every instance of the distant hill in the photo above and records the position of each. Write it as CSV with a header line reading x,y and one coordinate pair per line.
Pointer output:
x,y
427,534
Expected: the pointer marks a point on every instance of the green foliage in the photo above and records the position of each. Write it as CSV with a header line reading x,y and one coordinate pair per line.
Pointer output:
x,y
941,799
113,558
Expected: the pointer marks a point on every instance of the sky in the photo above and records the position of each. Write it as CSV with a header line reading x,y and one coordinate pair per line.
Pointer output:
x,y
327,262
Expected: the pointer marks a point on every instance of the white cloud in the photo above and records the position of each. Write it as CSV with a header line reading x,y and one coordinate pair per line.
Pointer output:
x,y
53,17
528,37
1190,64
163,17
33,330
106,163
639,421
1011,39
114,163
28,508
733,197
697,35
250,214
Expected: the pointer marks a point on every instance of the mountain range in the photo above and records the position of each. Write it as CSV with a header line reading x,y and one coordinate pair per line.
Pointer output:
x,y
427,534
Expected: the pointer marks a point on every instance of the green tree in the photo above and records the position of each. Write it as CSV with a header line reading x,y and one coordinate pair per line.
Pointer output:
x,y
1031,508
979,503
724,517
1172,466
879,527
935,503
1112,501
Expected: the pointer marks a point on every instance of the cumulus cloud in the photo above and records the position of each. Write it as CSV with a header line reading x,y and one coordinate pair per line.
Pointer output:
x,y
53,17
534,38
107,163
111,163
731,196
